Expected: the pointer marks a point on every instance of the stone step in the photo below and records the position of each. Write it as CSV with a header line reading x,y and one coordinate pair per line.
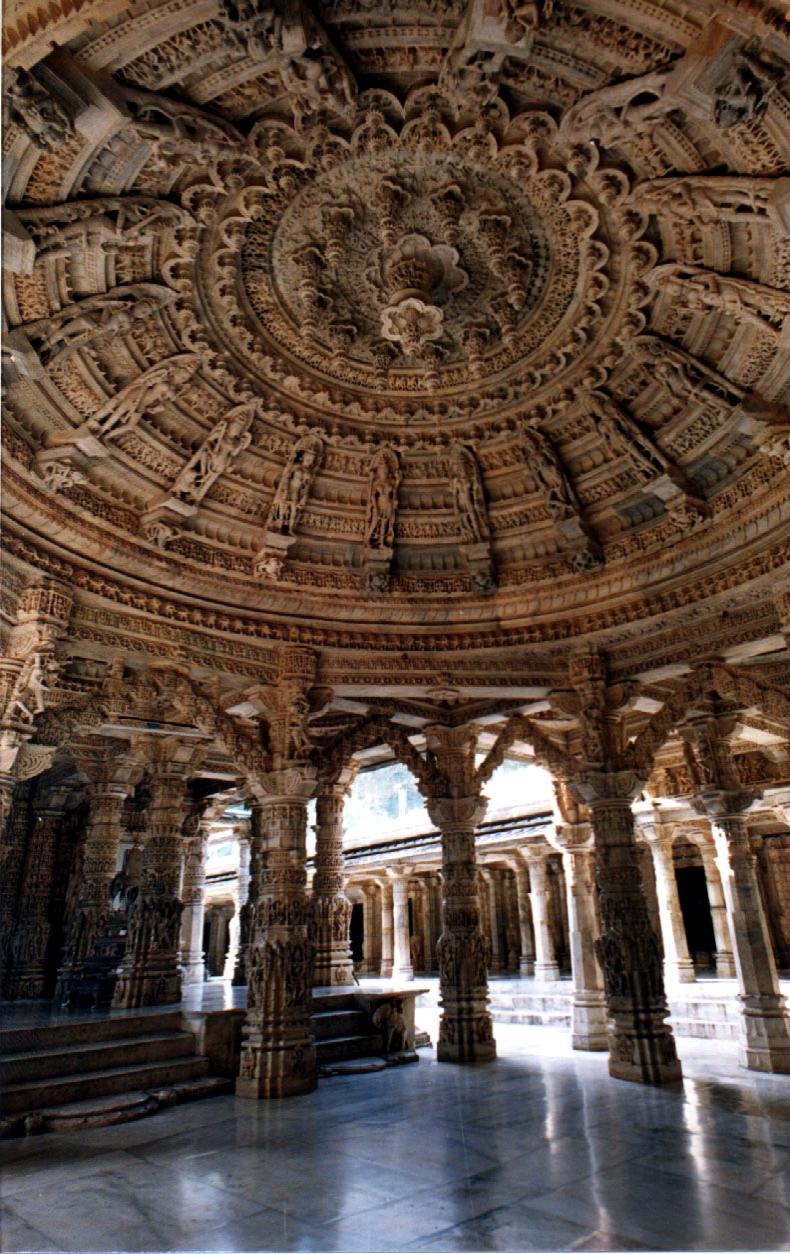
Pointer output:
x,y
534,1018
63,1060
367,1063
74,1030
530,1001
353,1046
99,1112
327,1023
40,1094
333,1001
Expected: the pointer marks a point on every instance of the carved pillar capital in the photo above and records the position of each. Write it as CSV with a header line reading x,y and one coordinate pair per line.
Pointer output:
x,y
449,813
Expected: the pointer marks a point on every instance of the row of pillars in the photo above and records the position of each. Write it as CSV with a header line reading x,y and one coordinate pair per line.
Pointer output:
x,y
294,941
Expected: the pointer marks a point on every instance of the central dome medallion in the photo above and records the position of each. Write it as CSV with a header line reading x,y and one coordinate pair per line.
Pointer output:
x,y
404,264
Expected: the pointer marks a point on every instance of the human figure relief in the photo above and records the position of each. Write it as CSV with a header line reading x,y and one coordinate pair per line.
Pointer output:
x,y
384,481
40,672
683,375
710,198
228,439
147,393
28,103
766,308
85,322
620,434
181,133
107,223
550,476
293,489
468,498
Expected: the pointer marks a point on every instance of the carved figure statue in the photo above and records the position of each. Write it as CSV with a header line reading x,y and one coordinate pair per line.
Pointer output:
x,y
489,31
315,80
384,481
147,393
298,737
85,322
391,1022
294,486
257,29
29,104
227,440
549,474
621,434
744,93
612,114
468,497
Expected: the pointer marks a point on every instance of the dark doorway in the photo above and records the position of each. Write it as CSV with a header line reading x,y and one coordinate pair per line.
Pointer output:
x,y
357,931
695,907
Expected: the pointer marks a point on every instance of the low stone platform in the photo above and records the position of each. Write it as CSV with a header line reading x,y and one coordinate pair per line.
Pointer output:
x,y
705,1008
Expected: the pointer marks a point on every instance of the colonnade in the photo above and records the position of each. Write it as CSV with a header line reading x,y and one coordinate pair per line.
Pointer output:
x,y
519,909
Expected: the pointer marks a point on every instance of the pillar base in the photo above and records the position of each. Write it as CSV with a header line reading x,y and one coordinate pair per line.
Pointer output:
x,y
335,976
546,972
148,988
277,1070
24,984
589,1022
643,1052
403,973
466,1039
765,1035
680,973
526,967
193,971
725,967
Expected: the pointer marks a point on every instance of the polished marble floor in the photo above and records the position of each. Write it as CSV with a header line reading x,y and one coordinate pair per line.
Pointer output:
x,y
539,1150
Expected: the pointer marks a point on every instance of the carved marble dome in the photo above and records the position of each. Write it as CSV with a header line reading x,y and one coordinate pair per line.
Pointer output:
x,y
378,318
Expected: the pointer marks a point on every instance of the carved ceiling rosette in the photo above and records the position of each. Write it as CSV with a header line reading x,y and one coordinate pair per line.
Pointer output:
x,y
420,235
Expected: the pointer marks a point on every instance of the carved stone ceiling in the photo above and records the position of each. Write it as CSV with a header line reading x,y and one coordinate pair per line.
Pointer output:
x,y
402,316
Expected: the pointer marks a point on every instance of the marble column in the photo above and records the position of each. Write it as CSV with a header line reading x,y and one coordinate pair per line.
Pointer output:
x,y
678,967
13,845
106,797
401,960
27,974
371,929
774,857
331,907
490,884
278,1050
465,1028
233,956
546,968
589,1020
193,897
150,974
725,961
247,910
386,931
641,1044
507,884
526,964
765,1024
425,925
